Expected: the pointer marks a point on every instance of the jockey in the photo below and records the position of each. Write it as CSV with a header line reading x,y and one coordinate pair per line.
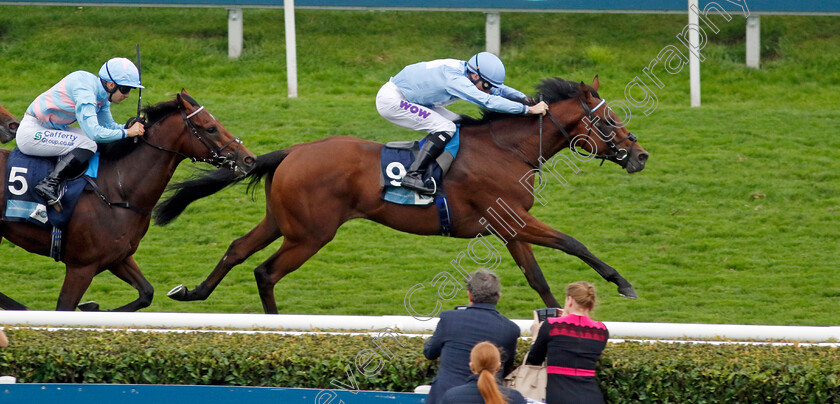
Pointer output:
x,y
79,97
416,96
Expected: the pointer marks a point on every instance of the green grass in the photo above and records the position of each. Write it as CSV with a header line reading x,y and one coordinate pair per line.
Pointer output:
x,y
734,220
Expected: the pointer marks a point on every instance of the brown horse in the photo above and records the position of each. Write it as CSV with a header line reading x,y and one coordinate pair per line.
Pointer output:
x,y
313,188
132,176
8,126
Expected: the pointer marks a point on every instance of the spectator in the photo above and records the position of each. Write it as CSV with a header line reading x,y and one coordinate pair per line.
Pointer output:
x,y
572,344
482,387
459,330
4,342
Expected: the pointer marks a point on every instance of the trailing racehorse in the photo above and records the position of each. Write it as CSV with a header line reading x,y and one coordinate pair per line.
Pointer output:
x,y
132,176
8,126
313,188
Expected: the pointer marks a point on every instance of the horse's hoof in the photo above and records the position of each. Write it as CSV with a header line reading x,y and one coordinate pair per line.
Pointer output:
x,y
628,292
88,306
178,293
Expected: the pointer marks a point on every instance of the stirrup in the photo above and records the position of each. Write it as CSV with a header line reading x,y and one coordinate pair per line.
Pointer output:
x,y
59,193
421,189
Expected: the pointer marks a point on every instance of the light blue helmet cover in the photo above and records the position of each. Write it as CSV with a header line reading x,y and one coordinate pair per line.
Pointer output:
x,y
488,66
122,72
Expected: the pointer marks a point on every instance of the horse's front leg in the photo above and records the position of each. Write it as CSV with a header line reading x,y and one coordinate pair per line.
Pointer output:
x,y
7,303
129,271
258,238
536,232
524,257
76,282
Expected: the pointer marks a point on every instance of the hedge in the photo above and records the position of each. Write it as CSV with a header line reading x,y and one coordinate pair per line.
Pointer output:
x,y
628,372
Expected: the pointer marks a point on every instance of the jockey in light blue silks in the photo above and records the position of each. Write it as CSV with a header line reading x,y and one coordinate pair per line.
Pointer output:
x,y
415,99
79,97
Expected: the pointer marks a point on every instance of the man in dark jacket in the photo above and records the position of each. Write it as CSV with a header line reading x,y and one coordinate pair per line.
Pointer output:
x,y
459,330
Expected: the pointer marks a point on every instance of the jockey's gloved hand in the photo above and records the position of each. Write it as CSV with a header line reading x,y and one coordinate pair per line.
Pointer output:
x,y
528,101
131,121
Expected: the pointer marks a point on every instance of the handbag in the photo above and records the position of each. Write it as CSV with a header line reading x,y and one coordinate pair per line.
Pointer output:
x,y
530,380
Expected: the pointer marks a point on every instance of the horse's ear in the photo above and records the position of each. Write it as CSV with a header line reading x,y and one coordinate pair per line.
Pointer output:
x,y
596,83
584,91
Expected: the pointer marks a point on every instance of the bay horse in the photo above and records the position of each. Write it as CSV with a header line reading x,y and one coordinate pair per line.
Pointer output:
x,y
8,126
132,176
313,188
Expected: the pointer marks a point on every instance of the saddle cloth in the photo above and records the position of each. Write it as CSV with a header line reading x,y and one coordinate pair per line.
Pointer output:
x,y
22,204
395,159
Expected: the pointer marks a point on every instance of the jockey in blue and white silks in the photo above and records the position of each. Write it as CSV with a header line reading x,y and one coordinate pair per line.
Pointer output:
x,y
416,98
79,97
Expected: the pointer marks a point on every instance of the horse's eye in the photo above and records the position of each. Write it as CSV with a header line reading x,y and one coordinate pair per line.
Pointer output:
x,y
212,129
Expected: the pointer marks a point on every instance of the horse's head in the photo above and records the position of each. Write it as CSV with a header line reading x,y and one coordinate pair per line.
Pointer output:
x,y
8,126
209,141
598,131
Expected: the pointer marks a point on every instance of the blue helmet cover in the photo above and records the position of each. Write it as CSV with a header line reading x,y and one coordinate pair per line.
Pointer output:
x,y
488,66
122,72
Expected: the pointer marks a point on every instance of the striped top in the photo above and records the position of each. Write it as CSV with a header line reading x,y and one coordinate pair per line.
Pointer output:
x,y
80,97
571,345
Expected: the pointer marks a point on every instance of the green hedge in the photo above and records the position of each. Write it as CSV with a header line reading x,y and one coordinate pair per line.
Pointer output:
x,y
628,372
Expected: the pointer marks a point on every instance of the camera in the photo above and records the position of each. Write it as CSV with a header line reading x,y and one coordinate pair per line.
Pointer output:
x,y
543,314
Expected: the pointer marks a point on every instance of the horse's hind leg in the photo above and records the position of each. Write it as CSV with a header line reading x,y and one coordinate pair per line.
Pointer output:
x,y
7,303
129,271
524,257
290,256
258,238
536,232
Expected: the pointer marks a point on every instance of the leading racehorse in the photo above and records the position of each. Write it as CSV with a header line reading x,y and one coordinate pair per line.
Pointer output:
x,y
313,188
107,225
8,126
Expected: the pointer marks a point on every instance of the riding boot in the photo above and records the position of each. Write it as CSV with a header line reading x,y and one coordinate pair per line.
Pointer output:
x,y
432,148
67,166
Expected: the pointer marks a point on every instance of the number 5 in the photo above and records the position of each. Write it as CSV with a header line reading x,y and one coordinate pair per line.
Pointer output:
x,y
15,175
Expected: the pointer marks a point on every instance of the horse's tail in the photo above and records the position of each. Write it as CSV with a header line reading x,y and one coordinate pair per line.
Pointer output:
x,y
190,191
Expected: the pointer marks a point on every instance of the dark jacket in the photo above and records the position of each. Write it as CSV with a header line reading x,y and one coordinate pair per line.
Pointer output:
x,y
469,394
457,332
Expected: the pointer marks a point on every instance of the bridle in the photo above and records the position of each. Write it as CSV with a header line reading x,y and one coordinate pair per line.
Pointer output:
x,y
618,154
216,158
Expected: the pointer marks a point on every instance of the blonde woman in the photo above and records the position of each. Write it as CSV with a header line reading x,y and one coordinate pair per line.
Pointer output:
x,y
572,344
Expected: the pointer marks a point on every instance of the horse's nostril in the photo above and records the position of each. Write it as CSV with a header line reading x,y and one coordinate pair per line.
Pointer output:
x,y
13,126
250,161
643,157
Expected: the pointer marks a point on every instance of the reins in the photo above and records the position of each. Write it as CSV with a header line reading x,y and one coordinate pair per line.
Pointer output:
x,y
216,159
612,143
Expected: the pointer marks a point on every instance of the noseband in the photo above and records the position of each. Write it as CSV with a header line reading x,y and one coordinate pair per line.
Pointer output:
x,y
618,154
216,158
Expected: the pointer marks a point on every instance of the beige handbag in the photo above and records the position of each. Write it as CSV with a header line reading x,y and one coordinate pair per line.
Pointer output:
x,y
530,380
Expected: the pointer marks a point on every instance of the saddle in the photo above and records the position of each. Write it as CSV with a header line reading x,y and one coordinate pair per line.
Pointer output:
x,y
396,157
22,204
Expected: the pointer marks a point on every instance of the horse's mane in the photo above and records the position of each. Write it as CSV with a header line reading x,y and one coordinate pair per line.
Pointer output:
x,y
552,90
154,114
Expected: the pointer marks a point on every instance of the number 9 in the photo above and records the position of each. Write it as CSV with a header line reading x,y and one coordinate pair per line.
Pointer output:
x,y
400,172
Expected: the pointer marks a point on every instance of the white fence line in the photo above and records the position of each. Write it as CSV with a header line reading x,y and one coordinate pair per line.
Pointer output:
x,y
402,323
378,334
